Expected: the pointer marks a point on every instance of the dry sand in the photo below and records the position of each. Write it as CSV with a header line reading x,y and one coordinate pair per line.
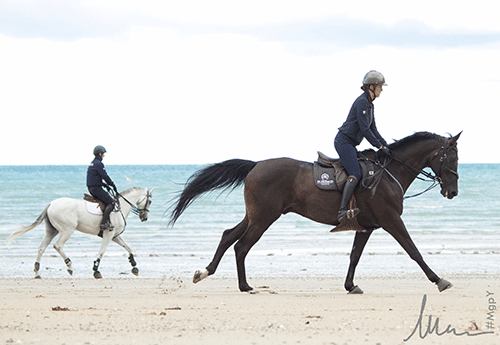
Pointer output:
x,y
284,311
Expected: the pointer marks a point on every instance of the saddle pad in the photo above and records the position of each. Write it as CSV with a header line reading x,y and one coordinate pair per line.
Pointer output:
x,y
93,208
329,178
335,176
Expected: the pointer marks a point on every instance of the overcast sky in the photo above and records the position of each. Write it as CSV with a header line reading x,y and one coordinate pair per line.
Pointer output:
x,y
173,82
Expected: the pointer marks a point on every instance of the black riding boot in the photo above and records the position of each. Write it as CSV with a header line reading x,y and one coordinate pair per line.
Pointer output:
x,y
350,185
105,223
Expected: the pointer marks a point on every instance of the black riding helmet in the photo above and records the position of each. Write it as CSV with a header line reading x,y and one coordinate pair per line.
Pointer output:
x,y
99,149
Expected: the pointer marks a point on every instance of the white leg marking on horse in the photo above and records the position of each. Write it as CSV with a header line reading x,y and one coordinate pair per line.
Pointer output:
x,y
199,276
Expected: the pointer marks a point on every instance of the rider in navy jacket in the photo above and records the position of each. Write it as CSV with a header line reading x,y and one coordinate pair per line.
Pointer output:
x,y
97,178
360,124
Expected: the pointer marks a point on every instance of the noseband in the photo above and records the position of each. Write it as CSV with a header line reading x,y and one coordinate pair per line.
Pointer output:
x,y
443,161
140,211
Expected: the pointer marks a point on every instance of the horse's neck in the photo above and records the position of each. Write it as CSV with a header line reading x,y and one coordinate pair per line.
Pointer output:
x,y
417,157
132,196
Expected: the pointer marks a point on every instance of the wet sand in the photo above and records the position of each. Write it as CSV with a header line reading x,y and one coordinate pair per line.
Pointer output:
x,y
282,311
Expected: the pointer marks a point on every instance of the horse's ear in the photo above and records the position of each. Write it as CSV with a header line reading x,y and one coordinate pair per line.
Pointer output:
x,y
151,191
455,138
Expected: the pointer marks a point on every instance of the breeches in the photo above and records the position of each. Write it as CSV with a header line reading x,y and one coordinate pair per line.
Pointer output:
x,y
348,155
100,194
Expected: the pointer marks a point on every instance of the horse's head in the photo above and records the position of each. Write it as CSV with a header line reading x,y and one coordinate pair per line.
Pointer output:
x,y
143,205
445,164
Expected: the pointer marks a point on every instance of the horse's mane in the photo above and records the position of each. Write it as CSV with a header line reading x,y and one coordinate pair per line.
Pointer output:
x,y
414,138
130,190
409,140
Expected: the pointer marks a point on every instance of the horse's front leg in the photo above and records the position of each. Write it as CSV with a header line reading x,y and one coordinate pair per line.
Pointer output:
x,y
357,249
398,230
120,241
106,239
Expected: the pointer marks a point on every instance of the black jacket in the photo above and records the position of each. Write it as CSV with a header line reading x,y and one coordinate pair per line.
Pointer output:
x,y
96,173
360,123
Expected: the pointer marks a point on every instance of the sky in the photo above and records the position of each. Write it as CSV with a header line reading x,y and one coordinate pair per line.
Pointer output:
x,y
195,82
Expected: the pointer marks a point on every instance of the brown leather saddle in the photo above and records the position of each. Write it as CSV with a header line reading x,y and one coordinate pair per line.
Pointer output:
x,y
90,198
329,174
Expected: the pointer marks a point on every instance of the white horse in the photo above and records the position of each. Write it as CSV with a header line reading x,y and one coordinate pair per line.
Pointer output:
x,y
65,215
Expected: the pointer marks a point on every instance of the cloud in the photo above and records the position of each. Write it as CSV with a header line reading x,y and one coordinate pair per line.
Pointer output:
x,y
388,23
161,83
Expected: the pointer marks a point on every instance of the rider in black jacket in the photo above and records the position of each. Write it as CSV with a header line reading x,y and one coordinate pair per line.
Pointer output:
x,y
97,178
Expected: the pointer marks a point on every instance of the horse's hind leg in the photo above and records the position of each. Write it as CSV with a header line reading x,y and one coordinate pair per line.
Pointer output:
x,y
242,247
357,249
120,241
58,246
228,238
50,233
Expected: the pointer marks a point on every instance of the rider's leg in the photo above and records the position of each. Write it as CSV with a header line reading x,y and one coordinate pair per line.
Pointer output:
x,y
350,185
105,223
349,158
100,194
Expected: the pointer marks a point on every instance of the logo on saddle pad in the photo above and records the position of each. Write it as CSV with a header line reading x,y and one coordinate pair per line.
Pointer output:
x,y
325,180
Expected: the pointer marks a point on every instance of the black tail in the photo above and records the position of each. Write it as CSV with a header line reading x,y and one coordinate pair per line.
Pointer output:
x,y
231,173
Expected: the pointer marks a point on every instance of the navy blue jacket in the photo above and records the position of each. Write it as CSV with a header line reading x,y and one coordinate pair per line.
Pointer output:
x,y
96,173
360,123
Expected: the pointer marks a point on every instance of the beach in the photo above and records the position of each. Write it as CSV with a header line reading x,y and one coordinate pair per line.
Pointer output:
x,y
173,310
297,269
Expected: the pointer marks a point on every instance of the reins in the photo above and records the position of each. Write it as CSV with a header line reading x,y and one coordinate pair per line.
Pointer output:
x,y
435,179
135,209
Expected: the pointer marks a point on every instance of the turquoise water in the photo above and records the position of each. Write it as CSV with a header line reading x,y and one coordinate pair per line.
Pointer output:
x,y
458,236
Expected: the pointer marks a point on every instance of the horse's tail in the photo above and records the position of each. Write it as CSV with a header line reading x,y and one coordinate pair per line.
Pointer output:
x,y
228,174
24,229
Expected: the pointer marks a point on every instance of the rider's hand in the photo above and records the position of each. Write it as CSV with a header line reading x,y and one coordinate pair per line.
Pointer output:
x,y
385,150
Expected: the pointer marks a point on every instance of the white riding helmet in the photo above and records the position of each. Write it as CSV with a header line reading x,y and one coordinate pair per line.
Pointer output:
x,y
374,78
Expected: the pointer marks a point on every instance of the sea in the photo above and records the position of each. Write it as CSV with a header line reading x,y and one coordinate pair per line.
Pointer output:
x,y
458,236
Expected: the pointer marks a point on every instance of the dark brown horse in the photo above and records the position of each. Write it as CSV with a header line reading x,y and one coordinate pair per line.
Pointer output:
x,y
278,186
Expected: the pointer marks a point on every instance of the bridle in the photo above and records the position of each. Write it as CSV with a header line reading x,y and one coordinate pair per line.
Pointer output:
x,y
139,211
443,161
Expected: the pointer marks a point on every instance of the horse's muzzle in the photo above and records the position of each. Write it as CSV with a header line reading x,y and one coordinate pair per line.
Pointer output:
x,y
449,194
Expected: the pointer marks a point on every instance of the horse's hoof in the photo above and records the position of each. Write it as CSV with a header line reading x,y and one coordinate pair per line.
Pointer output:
x,y
356,291
246,288
443,284
38,277
135,271
199,276
97,275
70,272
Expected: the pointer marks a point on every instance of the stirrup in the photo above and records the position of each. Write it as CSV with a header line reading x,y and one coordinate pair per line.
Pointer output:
x,y
106,226
352,213
349,214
